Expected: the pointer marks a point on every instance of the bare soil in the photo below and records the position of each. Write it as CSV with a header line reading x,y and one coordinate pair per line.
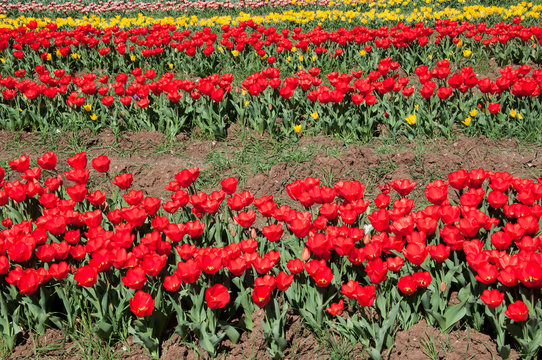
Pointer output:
x,y
153,160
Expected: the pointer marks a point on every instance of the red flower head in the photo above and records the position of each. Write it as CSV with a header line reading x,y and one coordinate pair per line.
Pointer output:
x,y
422,278
78,161
141,304
403,187
494,108
439,252
407,285
517,311
217,296
295,266
135,278
273,232
245,219
189,271
86,276
187,176
229,185
172,283
123,181
336,309
284,281
261,295
323,276
21,164
365,295
48,161
415,253
101,163
492,298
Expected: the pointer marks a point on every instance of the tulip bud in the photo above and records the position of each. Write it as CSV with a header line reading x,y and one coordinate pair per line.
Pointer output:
x,y
306,254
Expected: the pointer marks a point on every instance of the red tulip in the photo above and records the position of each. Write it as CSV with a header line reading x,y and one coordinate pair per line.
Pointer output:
x,y
101,163
492,298
86,276
407,285
217,296
135,278
517,311
261,295
123,181
336,309
78,161
48,161
142,304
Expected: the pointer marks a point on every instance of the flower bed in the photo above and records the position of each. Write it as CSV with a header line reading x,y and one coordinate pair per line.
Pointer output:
x,y
364,267
145,78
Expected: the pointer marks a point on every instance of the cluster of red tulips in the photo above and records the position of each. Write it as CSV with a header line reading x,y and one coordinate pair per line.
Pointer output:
x,y
493,226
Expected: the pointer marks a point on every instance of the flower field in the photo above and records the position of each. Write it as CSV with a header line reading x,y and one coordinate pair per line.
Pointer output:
x,y
215,172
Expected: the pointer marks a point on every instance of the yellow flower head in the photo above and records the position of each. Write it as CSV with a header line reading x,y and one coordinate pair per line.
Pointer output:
x,y
235,53
132,57
520,116
93,117
246,103
2,60
300,57
313,58
76,56
473,112
416,107
467,121
170,65
430,56
362,52
288,58
314,115
459,43
467,53
87,107
297,128
49,57
513,113
411,119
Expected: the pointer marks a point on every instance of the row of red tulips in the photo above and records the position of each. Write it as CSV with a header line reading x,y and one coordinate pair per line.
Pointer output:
x,y
58,231
250,35
141,85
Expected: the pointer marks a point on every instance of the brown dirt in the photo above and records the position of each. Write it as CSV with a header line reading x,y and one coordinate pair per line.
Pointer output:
x,y
153,165
414,344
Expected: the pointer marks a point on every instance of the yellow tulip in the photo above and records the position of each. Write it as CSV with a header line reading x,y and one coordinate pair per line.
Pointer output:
x,y
411,119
